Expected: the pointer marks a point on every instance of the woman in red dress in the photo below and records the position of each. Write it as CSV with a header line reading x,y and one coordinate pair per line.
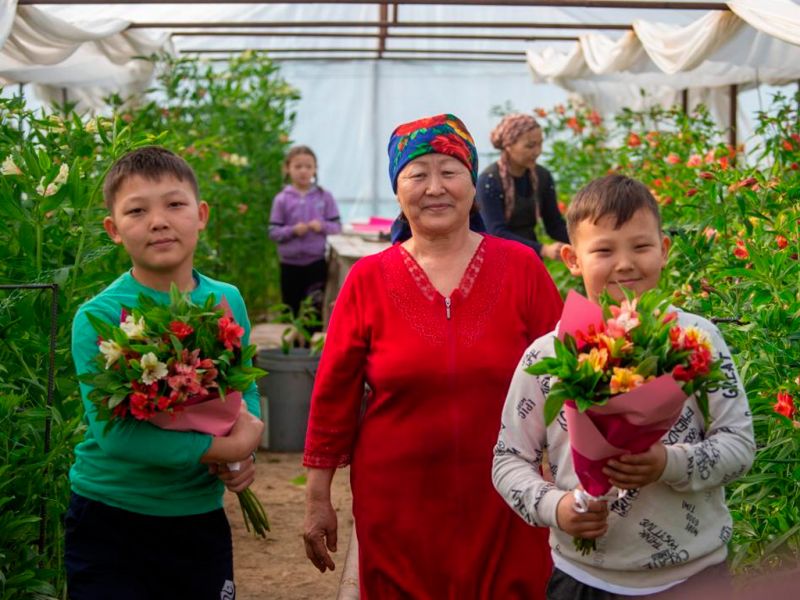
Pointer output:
x,y
435,327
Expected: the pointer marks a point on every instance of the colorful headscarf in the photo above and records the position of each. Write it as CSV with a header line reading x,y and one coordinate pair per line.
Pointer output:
x,y
506,133
442,134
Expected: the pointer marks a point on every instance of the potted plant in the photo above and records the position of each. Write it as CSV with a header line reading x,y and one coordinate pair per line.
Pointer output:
x,y
292,369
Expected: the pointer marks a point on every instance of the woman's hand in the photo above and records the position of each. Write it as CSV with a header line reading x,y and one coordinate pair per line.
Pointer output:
x,y
631,471
587,525
236,481
552,251
319,533
320,524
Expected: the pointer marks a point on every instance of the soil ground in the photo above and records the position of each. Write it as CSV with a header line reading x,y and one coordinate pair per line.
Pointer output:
x,y
277,568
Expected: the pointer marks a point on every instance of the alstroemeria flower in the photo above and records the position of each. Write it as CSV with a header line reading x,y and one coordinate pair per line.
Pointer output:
x,y
10,167
784,405
597,358
63,175
111,350
180,329
230,334
152,368
624,380
132,327
625,319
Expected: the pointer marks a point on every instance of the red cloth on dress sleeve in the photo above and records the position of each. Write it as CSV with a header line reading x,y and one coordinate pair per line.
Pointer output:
x,y
339,384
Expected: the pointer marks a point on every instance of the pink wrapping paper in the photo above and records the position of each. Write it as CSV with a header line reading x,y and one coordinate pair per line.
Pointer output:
x,y
627,423
215,417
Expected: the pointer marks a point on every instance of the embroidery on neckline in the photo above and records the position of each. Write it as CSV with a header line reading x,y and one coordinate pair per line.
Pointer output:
x,y
467,279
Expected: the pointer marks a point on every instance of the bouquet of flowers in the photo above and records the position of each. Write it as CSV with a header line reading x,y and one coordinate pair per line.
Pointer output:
x,y
179,366
623,374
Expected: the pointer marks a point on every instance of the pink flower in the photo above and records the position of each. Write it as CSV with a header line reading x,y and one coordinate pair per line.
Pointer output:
x,y
695,160
625,319
673,158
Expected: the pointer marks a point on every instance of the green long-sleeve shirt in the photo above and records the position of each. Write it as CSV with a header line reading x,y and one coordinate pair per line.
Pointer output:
x,y
135,465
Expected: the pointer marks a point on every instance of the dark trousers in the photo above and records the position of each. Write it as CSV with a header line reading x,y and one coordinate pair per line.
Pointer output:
x,y
713,583
299,282
114,553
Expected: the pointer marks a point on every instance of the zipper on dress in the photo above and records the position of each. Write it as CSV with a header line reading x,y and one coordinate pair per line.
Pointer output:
x,y
447,307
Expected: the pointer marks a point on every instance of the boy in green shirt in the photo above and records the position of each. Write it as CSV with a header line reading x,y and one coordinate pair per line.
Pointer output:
x,y
145,519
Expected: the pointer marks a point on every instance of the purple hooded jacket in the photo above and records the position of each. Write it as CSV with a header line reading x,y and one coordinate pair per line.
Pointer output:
x,y
291,207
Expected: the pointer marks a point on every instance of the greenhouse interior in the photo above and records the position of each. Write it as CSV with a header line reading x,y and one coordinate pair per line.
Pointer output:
x,y
697,102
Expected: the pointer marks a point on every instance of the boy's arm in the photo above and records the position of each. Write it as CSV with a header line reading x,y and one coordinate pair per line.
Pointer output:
x,y
728,449
279,229
332,223
518,453
130,439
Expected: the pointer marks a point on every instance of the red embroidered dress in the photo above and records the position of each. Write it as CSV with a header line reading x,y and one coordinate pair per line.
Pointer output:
x,y
430,524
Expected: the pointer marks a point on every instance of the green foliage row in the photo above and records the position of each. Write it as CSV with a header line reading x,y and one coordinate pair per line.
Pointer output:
x,y
734,220
232,124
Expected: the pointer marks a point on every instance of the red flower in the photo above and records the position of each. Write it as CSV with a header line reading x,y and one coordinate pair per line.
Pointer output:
x,y
781,241
420,124
787,145
180,329
141,407
723,163
691,192
634,140
700,360
784,405
741,251
452,145
562,208
795,137
706,175
795,166
681,373
230,334
595,118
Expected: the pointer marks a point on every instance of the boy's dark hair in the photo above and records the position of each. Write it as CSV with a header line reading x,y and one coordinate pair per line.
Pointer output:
x,y
150,162
613,195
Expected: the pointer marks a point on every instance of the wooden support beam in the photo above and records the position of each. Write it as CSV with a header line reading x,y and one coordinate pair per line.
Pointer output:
x,y
383,30
733,92
393,36
517,53
371,24
637,4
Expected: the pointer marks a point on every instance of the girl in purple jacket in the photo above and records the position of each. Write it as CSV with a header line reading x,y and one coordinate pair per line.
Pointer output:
x,y
303,214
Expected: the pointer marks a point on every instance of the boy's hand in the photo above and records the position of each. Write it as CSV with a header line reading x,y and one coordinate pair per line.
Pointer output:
x,y
631,471
300,229
236,481
315,226
588,525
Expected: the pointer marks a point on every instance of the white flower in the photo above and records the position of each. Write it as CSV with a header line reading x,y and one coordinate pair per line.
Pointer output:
x,y
237,160
152,368
111,350
51,188
63,174
10,167
133,329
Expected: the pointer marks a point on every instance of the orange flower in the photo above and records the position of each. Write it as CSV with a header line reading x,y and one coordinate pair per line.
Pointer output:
x,y
634,140
781,241
540,112
597,358
624,380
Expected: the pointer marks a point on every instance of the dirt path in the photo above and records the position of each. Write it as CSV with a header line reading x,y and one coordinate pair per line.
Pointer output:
x,y
277,568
